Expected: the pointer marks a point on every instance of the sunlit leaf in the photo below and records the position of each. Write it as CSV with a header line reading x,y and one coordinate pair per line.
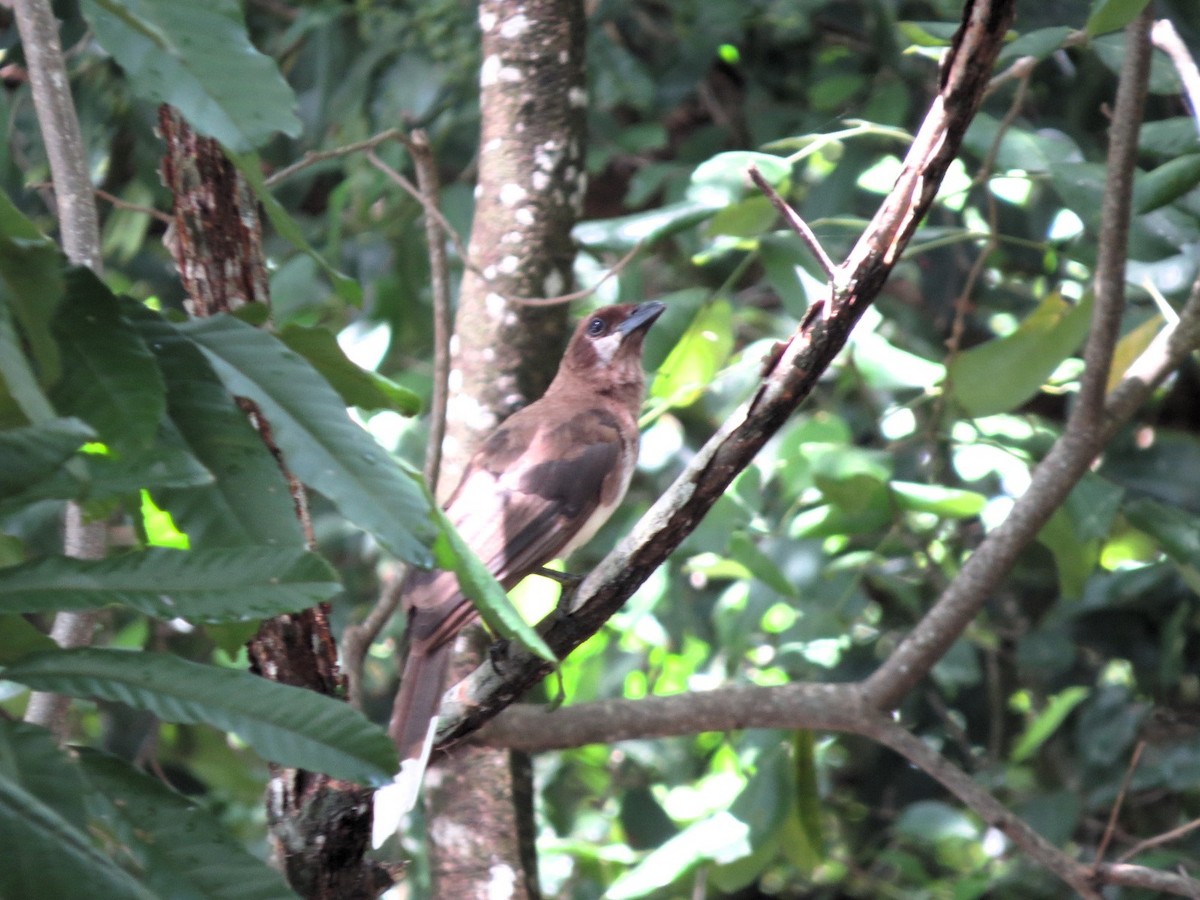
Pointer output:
x,y
1048,721
490,599
1003,373
697,358
357,386
1111,15
950,503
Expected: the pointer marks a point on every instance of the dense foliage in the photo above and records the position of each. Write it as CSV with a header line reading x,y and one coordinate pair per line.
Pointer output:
x,y
824,552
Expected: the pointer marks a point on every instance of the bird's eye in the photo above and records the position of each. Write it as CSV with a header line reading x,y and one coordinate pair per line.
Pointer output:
x,y
596,327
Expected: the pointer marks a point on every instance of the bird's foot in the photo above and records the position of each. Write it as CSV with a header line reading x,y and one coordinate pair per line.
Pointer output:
x,y
569,583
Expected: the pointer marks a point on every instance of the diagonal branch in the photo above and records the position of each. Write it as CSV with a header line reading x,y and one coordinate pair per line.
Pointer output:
x,y
1087,427
788,377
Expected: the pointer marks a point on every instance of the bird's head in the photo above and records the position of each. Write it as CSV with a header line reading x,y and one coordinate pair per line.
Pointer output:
x,y
607,345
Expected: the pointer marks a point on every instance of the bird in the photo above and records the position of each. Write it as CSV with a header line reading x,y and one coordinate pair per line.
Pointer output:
x,y
539,486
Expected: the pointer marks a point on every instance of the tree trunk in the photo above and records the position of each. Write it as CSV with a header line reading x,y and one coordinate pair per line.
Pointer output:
x,y
531,184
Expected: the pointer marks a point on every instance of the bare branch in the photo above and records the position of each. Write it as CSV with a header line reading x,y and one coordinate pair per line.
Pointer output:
x,y
1167,39
788,376
77,223
439,283
1082,438
1115,812
312,157
794,221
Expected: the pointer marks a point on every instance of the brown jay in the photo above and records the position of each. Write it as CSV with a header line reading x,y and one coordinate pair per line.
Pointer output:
x,y
539,486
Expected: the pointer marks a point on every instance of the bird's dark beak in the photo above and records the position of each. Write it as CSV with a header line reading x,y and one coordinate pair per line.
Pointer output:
x,y
642,317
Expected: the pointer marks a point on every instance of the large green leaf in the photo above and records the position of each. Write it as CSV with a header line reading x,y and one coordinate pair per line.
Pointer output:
x,y
35,452
484,591
249,502
31,271
285,724
24,401
357,386
187,853
198,58
697,358
1168,182
110,379
1110,15
201,585
321,445
47,852
1003,373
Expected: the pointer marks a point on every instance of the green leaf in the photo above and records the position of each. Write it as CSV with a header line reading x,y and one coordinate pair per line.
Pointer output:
x,y
35,452
110,379
1074,558
47,852
250,166
744,551
31,271
719,838
949,503
188,852
694,362
357,386
1048,721
1112,15
287,725
804,843
725,179
626,232
1003,373
198,58
200,585
322,446
1177,533
248,502
19,638
1168,182
18,374
484,591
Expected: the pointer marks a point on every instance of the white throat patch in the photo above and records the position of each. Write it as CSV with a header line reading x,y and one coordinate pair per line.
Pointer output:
x,y
607,346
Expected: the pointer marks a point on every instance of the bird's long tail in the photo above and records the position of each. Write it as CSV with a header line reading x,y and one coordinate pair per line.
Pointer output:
x,y
414,722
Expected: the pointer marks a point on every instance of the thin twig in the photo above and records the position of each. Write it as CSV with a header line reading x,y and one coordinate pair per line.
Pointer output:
x,y
1158,840
431,209
439,282
113,200
1164,36
1082,437
78,225
1115,812
312,157
582,293
794,221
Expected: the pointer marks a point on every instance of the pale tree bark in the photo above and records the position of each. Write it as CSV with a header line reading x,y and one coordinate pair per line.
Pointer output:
x,y
528,196
866,708
80,235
